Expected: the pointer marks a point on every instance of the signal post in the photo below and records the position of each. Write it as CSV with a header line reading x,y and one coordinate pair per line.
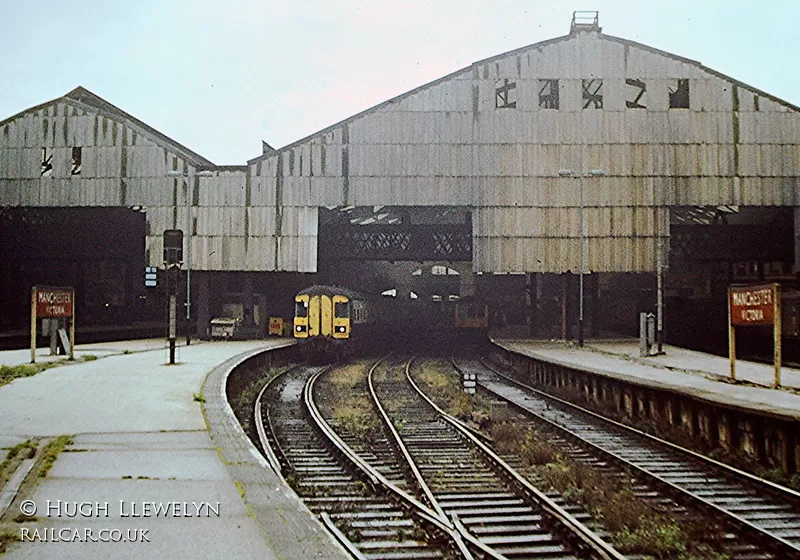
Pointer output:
x,y
173,258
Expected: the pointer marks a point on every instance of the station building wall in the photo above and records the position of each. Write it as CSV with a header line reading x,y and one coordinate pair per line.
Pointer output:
x,y
666,131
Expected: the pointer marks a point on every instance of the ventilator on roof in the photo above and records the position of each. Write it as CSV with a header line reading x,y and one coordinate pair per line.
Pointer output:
x,y
585,21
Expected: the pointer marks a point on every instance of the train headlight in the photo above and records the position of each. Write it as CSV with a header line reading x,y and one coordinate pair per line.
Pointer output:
x,y
299,328
340,328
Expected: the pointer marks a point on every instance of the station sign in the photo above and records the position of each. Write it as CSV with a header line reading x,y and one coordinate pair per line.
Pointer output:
x,y
53,302
753,305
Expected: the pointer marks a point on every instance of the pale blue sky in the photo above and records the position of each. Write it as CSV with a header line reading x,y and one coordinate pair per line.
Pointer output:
x,y
220,77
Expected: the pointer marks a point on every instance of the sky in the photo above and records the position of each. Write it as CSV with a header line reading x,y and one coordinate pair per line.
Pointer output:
x,y
220,77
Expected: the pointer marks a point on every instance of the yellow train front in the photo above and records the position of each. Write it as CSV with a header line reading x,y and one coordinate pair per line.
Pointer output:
x,y
325,317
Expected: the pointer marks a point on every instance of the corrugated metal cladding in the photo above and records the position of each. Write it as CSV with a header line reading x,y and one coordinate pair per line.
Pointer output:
x,y
237,223
665,130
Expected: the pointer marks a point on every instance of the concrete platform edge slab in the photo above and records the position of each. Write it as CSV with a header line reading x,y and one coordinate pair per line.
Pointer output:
x,y
9,491
748,399
289,528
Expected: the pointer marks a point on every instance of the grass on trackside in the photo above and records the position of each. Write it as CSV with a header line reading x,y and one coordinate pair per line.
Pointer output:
x,y
679,436
441,384
636,526
243,402
352,408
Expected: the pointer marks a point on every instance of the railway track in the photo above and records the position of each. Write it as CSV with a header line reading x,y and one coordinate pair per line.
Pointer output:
x,y
353,502
765,517
425,486
494,508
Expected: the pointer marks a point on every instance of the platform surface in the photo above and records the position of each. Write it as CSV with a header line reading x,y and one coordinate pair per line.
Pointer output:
x,y
697,374
97,349
139,438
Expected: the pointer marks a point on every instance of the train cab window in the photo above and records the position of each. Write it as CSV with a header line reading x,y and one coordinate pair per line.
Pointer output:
x,y
301,309
341,310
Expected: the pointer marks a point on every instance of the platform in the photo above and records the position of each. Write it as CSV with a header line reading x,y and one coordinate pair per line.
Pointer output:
x,y
96,349
696,374
140,438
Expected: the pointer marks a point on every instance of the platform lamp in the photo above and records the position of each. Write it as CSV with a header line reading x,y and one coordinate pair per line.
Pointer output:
x,y
581,177
188,177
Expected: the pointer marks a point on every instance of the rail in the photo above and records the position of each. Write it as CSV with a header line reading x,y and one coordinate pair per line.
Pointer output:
x,y
272,457
457,525
578,529
763,534
420,509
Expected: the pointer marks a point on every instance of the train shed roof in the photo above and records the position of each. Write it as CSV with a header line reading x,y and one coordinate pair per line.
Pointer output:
x,y
87,99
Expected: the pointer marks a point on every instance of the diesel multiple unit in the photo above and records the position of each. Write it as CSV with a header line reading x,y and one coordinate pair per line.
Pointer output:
x,y
329,317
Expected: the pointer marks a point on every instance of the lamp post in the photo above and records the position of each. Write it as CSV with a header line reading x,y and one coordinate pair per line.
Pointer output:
x,y
581,177
188,177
